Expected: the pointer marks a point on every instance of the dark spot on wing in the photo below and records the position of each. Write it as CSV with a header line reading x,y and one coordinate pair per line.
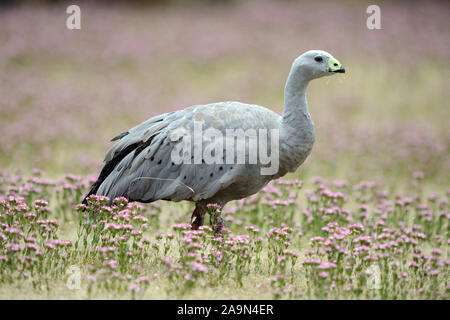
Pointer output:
x,y
120,136
143,146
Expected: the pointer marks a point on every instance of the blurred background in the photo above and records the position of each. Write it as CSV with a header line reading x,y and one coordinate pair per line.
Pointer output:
x,y
65,93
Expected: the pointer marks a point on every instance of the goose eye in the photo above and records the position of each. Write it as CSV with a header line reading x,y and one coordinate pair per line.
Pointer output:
x,y
318,59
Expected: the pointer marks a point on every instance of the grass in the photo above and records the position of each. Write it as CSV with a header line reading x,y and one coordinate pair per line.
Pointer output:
x,y
278,244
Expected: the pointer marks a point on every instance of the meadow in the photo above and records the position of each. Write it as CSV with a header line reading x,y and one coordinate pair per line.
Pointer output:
x,y
365,217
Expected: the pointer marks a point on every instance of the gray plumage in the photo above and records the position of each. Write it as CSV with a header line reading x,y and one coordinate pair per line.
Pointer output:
x,y
139,165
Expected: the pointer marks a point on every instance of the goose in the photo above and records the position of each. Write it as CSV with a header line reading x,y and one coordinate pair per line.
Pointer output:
x,y
144,165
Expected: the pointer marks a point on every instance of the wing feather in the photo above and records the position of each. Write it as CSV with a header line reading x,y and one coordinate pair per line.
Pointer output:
x,y
148,173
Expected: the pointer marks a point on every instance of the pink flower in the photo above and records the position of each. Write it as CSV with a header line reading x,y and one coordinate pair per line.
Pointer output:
x,y
195,266
134,288
214,207
311,261
326,265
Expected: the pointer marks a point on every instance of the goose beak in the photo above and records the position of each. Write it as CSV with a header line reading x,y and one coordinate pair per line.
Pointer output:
x,y
335,66
340,70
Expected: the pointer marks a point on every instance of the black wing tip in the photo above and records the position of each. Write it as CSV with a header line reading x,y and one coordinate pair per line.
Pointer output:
x,y
120,136
91,192
84,202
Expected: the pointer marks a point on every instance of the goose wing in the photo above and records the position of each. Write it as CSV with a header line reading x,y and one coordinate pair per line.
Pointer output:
x,y
141,165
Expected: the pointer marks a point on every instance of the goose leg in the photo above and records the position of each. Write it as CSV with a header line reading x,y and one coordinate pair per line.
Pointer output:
x,y
218,226
197,218
217,223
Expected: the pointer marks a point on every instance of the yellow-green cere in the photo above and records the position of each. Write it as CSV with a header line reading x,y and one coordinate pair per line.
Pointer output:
x,y
334,64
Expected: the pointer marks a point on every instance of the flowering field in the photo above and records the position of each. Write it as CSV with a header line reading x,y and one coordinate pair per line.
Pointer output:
x,y
366,216
344,241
